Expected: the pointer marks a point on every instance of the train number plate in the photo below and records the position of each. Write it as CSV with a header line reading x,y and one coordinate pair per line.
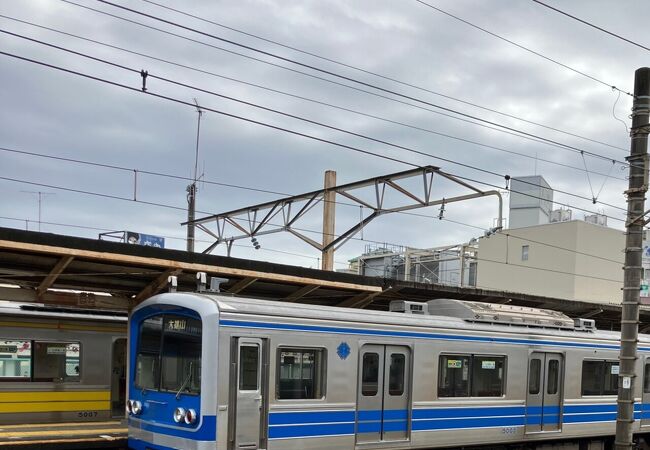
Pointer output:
x,y
87,414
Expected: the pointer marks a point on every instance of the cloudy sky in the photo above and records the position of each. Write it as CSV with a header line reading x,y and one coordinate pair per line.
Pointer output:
x,y
47,112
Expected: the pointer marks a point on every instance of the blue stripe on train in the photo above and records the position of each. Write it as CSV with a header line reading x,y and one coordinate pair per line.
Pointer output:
x,y
206,432
292,418
467,412
137,444
456,423
364,415
311,430
338,423
412,334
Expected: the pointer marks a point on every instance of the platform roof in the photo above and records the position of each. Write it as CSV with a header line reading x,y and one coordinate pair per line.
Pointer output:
x,y
64,270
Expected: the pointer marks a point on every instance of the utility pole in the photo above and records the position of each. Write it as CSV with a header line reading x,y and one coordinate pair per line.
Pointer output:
x,y
329,219
191,189
638,186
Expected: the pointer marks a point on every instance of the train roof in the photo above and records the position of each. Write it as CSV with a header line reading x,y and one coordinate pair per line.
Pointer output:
x,y
57,312
252,306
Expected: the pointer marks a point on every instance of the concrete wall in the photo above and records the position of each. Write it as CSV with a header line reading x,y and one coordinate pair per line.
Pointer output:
x,y
553,270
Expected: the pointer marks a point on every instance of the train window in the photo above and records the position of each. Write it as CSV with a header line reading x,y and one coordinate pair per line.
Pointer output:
x,y
168,357
15,360
301,373
610,381
487,376
535,376
396,374
599,377
147,374
181,354
471,375
646,379
553,377
370,375
56,361
454,376
249,367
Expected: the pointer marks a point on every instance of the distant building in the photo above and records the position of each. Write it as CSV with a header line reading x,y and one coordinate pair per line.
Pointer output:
x,y
553,260
453,265
531,201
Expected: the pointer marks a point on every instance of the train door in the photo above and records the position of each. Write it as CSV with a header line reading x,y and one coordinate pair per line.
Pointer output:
x,y
118,377
248,393
645,400
544,398
383,393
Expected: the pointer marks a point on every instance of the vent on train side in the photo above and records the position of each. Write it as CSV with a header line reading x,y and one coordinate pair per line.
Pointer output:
x,y
405,307
507,315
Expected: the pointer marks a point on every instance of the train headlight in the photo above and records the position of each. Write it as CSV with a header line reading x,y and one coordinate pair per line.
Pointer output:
x,y
136,407
179,415
190,416
129,406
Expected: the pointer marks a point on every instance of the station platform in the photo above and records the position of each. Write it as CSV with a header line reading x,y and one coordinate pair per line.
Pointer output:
x,y
78,435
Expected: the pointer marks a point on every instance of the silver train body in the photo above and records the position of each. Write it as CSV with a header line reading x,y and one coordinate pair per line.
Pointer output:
x,y
61,365
283,376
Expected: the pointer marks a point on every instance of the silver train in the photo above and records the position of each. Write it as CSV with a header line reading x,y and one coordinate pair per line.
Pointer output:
x,y
61,365
216,372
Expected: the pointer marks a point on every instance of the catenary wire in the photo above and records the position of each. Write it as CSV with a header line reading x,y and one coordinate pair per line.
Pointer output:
x,y
348,78
130,170
522,47
177,238
307,136
545,269
327,80
618,36
384,119
376,74
384,142
358,238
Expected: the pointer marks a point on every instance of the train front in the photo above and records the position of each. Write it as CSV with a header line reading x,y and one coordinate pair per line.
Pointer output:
x,y
171,400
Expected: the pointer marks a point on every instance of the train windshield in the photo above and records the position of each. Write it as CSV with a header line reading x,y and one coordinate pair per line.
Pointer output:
x,y
169,354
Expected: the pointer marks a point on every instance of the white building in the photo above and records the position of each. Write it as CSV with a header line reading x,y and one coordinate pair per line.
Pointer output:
x,y
575,260
531,201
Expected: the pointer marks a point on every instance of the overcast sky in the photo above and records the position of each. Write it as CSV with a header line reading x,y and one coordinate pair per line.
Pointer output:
x,y
53,113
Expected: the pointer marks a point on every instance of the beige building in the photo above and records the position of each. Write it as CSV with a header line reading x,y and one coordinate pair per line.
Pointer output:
x,y
575,260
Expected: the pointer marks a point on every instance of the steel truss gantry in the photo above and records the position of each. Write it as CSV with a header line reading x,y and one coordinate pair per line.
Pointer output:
x,y
256,220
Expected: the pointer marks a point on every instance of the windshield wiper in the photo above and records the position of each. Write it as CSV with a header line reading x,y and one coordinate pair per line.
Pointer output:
x,y
187,379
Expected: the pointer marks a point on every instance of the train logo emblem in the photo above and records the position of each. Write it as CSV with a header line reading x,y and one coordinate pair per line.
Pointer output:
x,y
343,350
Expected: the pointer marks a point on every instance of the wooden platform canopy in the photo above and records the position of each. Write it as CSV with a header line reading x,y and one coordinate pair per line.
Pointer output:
x,y
78,272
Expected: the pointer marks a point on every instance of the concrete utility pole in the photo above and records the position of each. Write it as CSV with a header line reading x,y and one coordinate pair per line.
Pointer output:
x,y
191,189
638,186
329,219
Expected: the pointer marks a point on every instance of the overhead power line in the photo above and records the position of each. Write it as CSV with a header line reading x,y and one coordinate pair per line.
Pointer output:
x,y
329,105
162,205
347,78
177,238
379,75
554,61
307,136
323,79
338,129
543,269
589,24
508,234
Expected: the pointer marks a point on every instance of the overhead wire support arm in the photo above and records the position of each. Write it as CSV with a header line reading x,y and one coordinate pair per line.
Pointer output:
x,y
244,222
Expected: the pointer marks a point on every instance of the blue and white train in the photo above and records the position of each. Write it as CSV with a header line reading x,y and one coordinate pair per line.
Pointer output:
x,y
210,371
